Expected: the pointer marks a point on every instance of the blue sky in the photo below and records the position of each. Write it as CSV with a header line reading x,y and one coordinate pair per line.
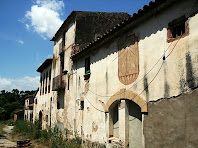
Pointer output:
x,y
26,29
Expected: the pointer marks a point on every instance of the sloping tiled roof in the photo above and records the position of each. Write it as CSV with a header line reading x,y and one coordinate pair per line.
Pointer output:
x,y
44,65
147,8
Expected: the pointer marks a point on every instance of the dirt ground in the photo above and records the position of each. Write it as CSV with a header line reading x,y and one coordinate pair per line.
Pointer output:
x,y
4,142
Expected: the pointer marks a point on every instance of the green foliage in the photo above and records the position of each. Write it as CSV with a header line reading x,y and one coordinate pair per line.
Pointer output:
x,y
53,137
11,102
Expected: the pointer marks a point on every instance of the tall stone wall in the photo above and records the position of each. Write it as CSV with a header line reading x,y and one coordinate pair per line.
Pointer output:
x,y
172,123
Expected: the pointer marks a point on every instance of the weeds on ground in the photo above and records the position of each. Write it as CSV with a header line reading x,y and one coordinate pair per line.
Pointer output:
x,y
2,125
52,138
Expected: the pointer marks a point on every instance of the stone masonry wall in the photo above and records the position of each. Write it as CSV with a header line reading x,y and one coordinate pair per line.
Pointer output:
x,y
172,123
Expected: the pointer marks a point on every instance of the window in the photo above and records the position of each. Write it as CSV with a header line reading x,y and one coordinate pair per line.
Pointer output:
x,y
40,84
62,61
63,42
177,28
46,118
68,83
82,105
46,82
60,99
35,101
87,65
49,80
43,82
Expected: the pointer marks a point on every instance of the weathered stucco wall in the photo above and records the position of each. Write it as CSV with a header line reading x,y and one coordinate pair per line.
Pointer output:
x,y
172,122
45,103
63,118
175,74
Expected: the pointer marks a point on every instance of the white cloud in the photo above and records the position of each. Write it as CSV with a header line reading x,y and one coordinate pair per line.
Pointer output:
x,y
26,83
27,26
44,17
20,42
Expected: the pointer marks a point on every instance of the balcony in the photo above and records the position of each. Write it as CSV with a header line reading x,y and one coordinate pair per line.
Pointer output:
x,y
58,83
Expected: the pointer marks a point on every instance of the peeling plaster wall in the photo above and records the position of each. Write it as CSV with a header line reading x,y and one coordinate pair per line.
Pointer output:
x,y
178,73
43,103
64,118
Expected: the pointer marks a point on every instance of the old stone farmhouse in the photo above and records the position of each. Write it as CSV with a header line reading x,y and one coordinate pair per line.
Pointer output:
x,y
129,81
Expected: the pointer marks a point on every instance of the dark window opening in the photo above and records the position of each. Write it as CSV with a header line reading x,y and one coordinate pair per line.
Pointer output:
x,y
43,82
35,101
46,118
49,80
63,42
82,105
177,28
58,105
46,82
68,83
40,84
62,61
60,100
87,65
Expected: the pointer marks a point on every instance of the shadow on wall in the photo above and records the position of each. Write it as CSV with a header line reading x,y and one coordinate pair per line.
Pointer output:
x,y
146,26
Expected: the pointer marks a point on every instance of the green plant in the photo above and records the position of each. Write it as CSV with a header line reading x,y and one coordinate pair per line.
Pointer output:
x,y
53,137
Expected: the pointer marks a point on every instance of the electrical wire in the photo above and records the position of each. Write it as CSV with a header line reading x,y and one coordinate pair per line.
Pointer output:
x,y
151,68
164,58
90,102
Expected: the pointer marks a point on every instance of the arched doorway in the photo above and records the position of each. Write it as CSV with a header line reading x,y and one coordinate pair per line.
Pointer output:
x,y
125,123
125,118
40,119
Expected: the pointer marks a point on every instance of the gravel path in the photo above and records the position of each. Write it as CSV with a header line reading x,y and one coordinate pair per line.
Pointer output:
x,y
4,142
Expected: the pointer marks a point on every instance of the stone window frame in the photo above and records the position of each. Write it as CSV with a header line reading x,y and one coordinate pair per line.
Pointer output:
x,y
176,24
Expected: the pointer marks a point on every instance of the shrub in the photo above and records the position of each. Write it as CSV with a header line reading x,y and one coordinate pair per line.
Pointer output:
x,y
52,137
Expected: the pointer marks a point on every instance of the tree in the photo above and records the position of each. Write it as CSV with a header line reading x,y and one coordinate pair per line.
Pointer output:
x,y
12,101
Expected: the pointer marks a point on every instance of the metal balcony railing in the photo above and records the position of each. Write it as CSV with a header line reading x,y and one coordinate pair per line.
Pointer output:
x,y
58,83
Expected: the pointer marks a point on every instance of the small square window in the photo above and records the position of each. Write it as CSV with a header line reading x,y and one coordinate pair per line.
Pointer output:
x,y
177,28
